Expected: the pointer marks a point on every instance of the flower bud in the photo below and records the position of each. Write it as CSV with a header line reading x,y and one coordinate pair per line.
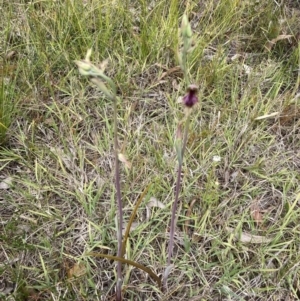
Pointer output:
x,y
186,27
84,67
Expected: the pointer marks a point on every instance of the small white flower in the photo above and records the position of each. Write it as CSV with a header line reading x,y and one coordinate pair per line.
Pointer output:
x,y
216,158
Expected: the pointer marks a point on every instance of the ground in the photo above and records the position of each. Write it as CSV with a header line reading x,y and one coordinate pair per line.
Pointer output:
x,y
237,230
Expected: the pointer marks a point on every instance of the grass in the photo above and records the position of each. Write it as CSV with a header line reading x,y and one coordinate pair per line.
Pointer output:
x,y
58,149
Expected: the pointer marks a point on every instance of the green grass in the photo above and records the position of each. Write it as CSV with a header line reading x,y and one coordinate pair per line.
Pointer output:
x,y
57,144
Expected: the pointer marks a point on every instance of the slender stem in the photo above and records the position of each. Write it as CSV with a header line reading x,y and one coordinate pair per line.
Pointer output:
x,y
186,130
178,187
119,201
172,226
184,64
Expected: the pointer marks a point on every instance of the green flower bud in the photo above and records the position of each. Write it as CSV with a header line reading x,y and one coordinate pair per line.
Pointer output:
x,y
186,27
88,69
184,22
84,67
189,32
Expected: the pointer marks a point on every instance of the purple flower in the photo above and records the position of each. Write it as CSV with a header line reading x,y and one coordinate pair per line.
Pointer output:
x,y
190,99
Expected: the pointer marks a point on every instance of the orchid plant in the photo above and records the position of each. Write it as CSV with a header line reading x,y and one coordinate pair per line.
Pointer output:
x,y
108,87
189,101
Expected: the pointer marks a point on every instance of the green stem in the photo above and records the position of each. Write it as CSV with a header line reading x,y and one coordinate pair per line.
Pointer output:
x,y
184,64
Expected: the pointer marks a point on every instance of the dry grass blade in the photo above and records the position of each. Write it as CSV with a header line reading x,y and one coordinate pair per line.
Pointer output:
x,y
249,238
188,214
132,216
274,114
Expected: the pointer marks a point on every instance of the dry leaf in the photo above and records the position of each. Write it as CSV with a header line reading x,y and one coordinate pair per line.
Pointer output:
x,y
134,225
289,114
247,69
236,56
66,159
123,159
249,238
167,271
271,43
10,55
77,270
233,176
6,288
153,202
255,212
6,183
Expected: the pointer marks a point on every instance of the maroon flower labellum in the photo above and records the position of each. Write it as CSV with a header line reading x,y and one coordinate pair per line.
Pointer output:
x,y
190,99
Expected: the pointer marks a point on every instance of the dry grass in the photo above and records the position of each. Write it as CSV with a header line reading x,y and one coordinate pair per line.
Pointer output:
x,y
59,150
